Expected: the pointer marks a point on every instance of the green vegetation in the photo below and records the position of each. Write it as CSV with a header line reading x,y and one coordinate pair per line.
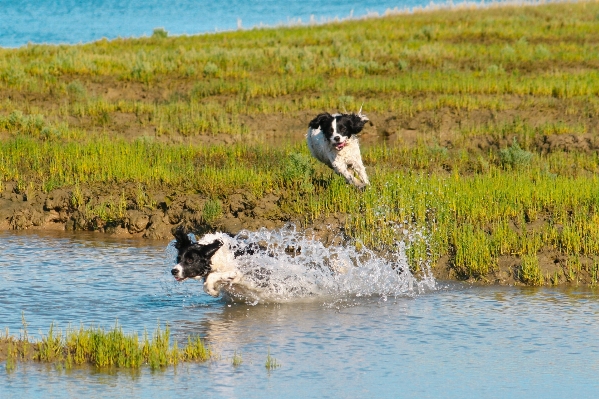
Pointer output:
x,y
487,120
237,359
494,59
271,362
104,348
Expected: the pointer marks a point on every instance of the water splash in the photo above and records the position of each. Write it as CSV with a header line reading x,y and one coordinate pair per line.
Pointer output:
x,y
290,265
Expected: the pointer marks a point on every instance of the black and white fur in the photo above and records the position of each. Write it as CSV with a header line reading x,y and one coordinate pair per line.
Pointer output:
x,y
212,258
332,140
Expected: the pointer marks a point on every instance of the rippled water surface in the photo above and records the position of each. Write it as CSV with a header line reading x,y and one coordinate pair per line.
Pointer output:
x,y
449,340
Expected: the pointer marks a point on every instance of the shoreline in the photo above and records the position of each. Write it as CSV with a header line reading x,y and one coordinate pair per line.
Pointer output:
x,y
313,21
54,212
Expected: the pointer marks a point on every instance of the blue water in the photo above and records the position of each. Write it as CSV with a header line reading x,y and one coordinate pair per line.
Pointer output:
x,y
454,341
81,21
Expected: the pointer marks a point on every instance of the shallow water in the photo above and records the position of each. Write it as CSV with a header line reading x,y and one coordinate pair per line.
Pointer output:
x,y
76,21
447,341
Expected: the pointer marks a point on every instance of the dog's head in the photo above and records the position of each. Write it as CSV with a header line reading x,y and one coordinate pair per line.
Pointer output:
x,y
193,260
338,128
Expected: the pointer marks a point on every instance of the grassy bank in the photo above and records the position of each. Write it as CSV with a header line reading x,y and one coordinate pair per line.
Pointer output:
x,y
485,133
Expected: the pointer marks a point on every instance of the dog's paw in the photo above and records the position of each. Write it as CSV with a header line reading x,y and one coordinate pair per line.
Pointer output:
x,y
211,291
232,278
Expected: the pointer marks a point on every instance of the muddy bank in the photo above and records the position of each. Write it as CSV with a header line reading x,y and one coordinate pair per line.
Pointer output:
x,y
24,351
122,211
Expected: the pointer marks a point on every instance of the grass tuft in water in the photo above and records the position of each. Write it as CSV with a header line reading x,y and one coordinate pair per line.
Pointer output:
x,y
271,362
105,348
237,359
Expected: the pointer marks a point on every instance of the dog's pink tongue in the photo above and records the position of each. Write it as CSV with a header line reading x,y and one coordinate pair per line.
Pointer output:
x,y
340,146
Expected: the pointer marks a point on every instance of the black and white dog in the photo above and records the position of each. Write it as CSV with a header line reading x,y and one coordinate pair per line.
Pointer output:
x,y
212,259
332,140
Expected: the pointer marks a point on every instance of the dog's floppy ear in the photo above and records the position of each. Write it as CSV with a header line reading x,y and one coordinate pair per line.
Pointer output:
x,y
357,123
210,249
183,241
323,121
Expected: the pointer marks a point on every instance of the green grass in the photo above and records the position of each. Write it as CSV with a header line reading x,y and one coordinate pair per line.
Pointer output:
x,y
271,362
237,359
460,59
105,348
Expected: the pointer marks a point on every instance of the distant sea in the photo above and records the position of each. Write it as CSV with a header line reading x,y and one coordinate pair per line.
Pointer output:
x,y
82,21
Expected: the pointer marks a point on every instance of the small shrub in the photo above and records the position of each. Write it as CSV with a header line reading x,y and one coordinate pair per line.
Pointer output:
x,y
514,157
495,69
508,51
289,68
542,52
159,33
427,33
210,69
76,89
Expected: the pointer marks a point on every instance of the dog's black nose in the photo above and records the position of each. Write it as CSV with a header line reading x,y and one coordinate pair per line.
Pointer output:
x,y
174,272
336,138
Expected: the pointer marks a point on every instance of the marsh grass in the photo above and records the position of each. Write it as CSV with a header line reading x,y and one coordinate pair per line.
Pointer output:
x,y
463,60
105,348
237,359
271,362
530,272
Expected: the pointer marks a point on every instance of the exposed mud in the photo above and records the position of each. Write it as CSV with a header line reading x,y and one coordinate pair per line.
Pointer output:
x,y
17,349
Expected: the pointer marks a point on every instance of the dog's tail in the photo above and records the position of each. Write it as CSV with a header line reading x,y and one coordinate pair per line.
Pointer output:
x,y
364,118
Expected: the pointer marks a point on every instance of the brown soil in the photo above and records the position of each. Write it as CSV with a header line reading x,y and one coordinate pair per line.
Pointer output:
x,y
22,350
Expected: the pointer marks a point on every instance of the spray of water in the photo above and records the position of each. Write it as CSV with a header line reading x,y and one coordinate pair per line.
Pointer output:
x,y
289,265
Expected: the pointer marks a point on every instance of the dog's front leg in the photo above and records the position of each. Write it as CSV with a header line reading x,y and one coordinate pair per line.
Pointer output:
x,y
361,171
214,280
343,170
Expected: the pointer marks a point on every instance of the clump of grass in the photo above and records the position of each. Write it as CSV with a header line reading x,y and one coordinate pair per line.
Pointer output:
x,y
210,69
271,362
297,172
107,348
530,272
237,359
473,257
212,211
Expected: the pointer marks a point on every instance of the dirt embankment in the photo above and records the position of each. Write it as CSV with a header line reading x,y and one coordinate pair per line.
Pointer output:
x,y
55,210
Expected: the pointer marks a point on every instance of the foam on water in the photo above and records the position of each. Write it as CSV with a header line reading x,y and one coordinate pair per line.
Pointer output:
x,y
292,265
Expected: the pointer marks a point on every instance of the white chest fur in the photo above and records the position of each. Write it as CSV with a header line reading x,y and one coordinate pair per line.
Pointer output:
x,y
345,161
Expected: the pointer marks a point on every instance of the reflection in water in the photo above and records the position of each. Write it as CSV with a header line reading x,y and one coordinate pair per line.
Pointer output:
x,y
457,341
